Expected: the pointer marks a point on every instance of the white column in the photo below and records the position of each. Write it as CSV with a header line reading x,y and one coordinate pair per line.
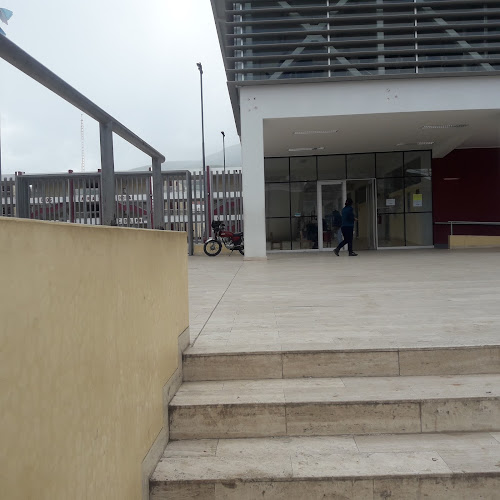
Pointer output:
x,y
254,203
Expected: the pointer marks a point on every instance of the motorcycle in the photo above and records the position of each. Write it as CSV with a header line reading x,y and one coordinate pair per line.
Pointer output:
x,y
232,241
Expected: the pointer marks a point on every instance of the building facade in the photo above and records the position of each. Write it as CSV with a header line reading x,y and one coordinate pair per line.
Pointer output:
x,y
395,104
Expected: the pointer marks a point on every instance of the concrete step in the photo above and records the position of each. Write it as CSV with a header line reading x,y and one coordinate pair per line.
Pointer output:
x,y
233,365
333,406
460,466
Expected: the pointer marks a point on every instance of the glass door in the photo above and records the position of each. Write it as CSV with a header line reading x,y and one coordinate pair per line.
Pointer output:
x,y
362,192
331,198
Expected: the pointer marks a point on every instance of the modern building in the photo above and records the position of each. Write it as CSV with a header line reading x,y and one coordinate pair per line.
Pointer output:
x,y
395,103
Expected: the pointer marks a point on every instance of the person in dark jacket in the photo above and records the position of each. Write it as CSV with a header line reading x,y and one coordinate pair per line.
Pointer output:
x,y
348,219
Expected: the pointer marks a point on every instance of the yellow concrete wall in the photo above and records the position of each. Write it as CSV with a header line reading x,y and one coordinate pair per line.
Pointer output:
x,y
89,318
471,241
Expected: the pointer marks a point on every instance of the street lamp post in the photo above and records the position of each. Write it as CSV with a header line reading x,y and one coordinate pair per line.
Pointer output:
x,y
224,176
207,229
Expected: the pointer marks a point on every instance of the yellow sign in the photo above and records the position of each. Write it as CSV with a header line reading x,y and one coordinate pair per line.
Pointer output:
x,y
417,200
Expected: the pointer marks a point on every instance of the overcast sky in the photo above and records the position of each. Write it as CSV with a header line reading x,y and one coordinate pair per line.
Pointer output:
x,y
136,60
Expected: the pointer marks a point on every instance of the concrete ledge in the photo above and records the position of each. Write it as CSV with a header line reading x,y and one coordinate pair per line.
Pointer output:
x,y
438,466
470,241
171,387
467,360
464,487
334,406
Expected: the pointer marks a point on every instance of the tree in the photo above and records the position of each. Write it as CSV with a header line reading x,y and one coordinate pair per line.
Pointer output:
x,y
5,15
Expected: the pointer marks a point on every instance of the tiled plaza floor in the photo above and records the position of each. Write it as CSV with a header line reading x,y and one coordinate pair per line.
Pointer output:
x,y
315,301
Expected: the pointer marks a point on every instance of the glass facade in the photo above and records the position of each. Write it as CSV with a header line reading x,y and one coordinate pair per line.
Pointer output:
x,y
274,40
401,212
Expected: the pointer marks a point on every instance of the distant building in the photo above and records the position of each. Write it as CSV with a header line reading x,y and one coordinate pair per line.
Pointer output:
x,y
393,103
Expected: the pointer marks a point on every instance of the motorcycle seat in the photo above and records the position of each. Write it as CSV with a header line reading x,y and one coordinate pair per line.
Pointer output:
x,y
237,234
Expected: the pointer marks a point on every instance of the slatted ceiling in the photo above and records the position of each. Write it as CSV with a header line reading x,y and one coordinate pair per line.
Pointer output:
x,y
268,40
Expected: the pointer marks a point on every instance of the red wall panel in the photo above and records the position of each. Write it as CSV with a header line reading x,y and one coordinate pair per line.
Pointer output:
x,y
466,187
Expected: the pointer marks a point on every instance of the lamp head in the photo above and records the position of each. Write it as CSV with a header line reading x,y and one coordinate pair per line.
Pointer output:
x,y
200,67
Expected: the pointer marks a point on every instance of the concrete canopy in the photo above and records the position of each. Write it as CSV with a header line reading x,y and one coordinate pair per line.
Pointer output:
x,y
382,132
441,114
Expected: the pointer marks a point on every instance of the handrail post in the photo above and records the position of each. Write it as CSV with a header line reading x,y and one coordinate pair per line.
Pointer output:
x,y
22,197
158,202
451,228
108,203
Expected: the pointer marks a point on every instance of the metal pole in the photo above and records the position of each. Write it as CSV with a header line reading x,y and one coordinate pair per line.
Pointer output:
x,y
224,178
200,69
108,205
158,203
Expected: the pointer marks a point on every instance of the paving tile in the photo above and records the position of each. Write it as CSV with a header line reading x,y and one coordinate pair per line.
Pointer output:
x,y
227,421
440,488
481,460
182,491
496,435
221,469
295,490
187,448
450,386
334,419
460,415
336,364
369,464
285,447
422,442
244,366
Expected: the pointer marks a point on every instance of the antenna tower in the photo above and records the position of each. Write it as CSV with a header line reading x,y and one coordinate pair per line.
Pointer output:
x,y
82,137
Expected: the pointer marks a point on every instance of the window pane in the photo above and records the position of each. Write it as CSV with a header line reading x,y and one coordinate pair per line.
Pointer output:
x,y
390,198
418,194
331,167
361,166
417,163
303,199
303,168
278,234
278,200
391,230
419,229
304,232
390,164
276,169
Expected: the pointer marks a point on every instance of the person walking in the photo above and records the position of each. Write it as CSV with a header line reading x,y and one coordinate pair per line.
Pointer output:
x,y
347,228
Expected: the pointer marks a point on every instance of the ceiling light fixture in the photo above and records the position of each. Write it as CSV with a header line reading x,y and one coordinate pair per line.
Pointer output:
x,y
293,150
422,143
459,125
311,132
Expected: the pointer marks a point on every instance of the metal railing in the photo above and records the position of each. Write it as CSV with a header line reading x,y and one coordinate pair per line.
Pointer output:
x,y
466,223
226,198
77,198
107,126
183,200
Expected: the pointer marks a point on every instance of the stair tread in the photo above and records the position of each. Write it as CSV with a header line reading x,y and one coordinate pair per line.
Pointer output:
x,y
326,457
337,390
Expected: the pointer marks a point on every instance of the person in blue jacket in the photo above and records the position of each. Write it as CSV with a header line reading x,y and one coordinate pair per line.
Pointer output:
x,y
348,219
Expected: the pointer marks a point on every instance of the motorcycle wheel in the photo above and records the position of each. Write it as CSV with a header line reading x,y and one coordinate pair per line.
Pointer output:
x,y
212,248
241,250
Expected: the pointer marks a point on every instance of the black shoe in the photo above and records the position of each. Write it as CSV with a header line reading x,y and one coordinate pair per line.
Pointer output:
x,y
336,252
353,254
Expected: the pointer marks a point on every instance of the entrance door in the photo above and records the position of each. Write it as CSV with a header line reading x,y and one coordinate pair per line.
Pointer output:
x,y
331,198
362,192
